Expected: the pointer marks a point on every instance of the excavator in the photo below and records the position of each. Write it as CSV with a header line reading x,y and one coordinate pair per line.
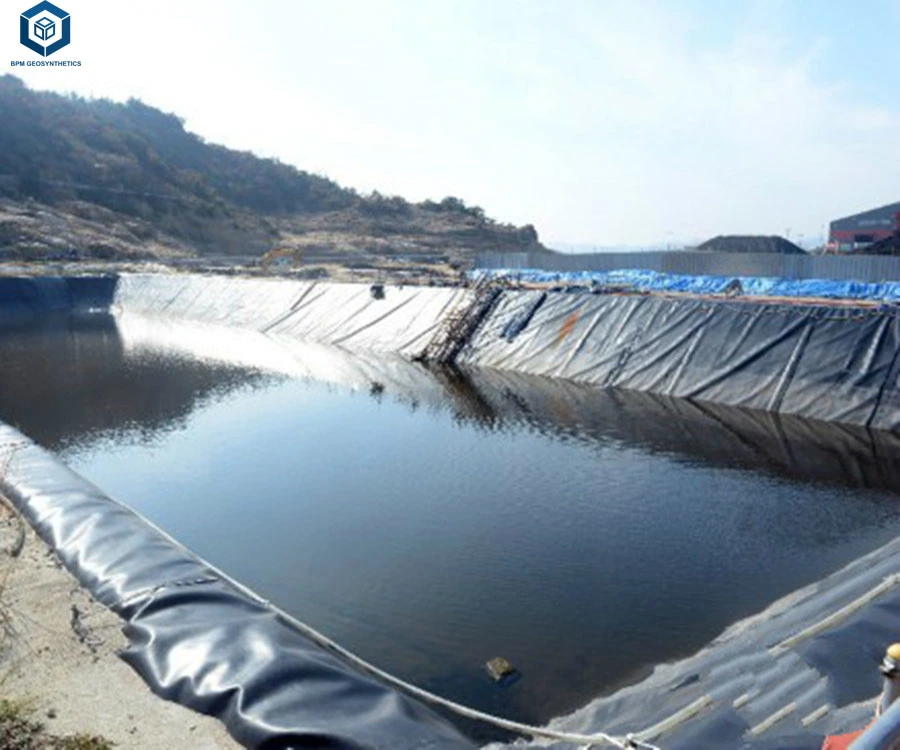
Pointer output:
x,y
282,256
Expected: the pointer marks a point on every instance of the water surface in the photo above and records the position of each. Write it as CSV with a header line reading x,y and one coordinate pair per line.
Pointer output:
x,y
432,520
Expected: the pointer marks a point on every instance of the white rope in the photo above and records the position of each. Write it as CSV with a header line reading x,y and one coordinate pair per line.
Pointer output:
x,y
583,740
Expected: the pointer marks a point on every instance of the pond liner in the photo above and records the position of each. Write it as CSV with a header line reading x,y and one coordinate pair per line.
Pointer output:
x,y
200,639
838,364
784,678
24,297
404,319
835,364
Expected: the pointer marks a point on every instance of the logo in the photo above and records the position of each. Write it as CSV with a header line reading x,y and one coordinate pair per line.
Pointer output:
x,y
44,28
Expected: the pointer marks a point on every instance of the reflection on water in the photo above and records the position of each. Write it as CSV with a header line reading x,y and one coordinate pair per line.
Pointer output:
x,y
66,379
433,520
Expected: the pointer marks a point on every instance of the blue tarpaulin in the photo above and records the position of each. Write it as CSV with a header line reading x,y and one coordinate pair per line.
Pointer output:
x,y
888,291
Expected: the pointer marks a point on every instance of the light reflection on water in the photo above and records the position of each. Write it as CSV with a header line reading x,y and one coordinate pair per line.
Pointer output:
x,y
432,520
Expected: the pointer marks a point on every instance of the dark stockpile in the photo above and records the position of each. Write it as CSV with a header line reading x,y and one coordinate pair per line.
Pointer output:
x,y
887,246
752,243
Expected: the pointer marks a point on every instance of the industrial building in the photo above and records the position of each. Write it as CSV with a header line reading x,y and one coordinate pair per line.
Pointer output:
x,y
859,230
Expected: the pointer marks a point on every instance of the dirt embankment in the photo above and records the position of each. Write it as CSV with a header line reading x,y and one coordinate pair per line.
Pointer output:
x,y
58,660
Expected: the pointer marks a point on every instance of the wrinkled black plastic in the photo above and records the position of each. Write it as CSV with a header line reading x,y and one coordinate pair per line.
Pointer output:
x,y
198,638
21,298
832,363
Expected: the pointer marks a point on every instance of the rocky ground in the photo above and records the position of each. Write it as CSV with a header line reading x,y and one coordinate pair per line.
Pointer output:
x,y
32,231
412,239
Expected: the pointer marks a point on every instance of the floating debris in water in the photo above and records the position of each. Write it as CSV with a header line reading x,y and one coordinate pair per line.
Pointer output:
x,y
500,669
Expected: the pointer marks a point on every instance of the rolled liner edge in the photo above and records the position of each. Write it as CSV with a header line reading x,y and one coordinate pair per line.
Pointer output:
x,y
200,638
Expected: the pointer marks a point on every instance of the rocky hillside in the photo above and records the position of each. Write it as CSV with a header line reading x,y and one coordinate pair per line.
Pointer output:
x,y
94,178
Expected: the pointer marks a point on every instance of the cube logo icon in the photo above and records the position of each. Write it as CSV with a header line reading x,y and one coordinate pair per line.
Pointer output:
x,y
45,28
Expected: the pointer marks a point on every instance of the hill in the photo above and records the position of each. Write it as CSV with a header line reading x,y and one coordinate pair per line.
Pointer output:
x,y
96,178
735,243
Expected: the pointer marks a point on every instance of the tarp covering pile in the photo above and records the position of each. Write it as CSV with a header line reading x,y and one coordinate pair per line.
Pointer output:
x,y
887,246
655,281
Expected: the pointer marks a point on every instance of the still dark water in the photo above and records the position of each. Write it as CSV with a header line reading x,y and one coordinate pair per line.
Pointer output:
x,y
431,521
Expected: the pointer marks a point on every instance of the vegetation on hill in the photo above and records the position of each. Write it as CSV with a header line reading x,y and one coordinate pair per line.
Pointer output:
x,y
160,188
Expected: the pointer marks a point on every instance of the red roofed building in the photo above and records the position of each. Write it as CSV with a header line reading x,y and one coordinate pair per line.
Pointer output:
x,y
856,231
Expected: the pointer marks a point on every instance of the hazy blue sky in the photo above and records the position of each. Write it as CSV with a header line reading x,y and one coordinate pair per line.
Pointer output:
x,y
600,122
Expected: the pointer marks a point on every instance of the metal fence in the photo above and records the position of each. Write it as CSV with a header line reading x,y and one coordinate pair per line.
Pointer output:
x,y
865,268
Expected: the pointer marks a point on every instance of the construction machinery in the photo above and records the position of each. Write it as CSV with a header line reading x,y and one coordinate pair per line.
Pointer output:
x,y
282,257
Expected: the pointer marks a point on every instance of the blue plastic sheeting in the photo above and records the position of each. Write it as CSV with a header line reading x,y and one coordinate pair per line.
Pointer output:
x,y
654,281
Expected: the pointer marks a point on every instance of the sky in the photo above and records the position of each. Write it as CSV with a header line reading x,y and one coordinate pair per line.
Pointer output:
x,y
601,122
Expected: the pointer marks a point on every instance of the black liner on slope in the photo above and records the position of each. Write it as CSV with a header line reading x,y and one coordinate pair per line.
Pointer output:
x,y
198,638
831,363
22,297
